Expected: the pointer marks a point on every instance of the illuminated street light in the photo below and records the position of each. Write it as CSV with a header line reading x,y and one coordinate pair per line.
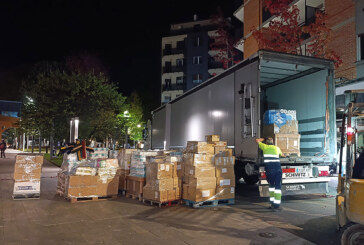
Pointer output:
x,y
138,125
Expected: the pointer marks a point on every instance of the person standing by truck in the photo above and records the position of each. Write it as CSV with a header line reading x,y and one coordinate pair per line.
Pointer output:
x,y
273,170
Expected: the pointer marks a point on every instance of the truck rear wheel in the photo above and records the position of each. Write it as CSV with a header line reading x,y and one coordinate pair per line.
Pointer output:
x,y
251,180
353,235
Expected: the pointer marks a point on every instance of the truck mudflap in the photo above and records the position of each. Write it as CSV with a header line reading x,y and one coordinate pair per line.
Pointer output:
x,y
297,187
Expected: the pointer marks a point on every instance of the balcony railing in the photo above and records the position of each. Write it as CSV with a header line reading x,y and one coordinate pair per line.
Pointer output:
x,y
173,51
172,69
174,86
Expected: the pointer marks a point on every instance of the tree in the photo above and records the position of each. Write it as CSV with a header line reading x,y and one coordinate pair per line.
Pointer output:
x,y
131,118
59,95
284,34
224,42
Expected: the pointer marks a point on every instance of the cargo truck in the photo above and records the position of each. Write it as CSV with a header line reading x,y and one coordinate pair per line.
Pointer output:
x,y
232,105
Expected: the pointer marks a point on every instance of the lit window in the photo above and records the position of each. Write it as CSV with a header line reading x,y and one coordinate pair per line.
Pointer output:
x,y
197,60
197,78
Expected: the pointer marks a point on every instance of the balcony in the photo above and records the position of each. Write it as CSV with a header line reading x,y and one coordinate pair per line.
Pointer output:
x,y
173,51
174,86
172,69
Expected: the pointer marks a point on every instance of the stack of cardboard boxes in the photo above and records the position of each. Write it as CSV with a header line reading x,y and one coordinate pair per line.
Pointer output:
x,y
282,126
199,180
208,171
88,178
137,177
27,173
124,158
159,180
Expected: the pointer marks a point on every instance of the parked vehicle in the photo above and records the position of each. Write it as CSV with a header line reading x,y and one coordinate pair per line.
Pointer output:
x,y
232,105
350,191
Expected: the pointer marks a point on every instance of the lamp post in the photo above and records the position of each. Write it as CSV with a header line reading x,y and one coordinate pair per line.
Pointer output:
x,y
74,129
126,115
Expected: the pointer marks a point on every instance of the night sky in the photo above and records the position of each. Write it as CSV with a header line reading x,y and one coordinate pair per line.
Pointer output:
x,y
125,35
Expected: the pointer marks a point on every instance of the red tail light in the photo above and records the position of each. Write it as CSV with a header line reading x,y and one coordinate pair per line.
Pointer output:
x,y
324,173
263,175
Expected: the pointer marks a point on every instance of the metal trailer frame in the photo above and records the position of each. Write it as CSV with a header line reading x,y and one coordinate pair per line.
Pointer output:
x,y
215,107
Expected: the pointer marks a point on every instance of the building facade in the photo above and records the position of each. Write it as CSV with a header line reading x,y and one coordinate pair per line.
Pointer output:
x,y
187,59
345,18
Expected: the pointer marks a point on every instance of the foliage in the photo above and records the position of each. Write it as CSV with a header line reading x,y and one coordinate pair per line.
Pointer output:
x,y
85,63
55,160
133,118
284,34
52,97
224,42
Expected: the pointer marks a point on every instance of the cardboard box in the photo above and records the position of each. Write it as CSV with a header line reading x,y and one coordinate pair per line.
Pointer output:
x,y
185,191
225,171
225,193
199,147
161,184
159,170
288,143
197,159
212,138
220,143
201,183
225,182
122,179
28,167
199,172
177,182
108,188
26,187
159,196
135,185
200,195
224,161
178,191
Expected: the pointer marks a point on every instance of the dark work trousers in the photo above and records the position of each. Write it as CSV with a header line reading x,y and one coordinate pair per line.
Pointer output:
x,y
273,171
3,153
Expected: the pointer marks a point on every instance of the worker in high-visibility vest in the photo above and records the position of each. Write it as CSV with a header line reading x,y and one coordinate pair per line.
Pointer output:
x,y
273,170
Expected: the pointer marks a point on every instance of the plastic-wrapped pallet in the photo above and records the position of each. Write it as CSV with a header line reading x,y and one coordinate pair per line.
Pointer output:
x,y
27,175
124,158
99,153
139,160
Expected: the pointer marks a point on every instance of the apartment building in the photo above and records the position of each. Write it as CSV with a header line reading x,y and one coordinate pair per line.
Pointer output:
x,y
345,18
187,59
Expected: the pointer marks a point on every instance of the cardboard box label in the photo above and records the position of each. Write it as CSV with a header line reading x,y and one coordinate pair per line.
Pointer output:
x,y
167,167
223,170
162,167
224,182
191,171
232,190
179,167
156,194
206,193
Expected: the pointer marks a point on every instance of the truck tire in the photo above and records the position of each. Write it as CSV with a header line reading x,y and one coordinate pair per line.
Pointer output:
x,y
251,180
353,235
239,171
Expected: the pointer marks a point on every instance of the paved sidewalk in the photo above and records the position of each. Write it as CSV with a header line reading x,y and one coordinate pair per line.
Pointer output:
x,y
53,220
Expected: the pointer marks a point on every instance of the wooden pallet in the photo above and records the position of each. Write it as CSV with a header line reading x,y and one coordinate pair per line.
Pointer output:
x,y
162,204
26,196
90,199
133,196
212,203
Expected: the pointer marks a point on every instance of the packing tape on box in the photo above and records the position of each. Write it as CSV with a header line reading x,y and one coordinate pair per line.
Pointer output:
x,y
206,193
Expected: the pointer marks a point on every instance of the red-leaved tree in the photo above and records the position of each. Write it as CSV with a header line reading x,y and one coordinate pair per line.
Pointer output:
x,y
224,42
284,34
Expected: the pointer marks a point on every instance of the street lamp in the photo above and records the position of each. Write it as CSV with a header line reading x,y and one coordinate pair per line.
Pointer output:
x,y
126,115
138,125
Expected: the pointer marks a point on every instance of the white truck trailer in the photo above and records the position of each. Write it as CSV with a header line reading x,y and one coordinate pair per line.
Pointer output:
x,y
232,105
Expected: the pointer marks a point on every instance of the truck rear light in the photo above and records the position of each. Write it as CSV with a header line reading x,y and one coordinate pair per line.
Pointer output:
x,y
324,173
350,131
